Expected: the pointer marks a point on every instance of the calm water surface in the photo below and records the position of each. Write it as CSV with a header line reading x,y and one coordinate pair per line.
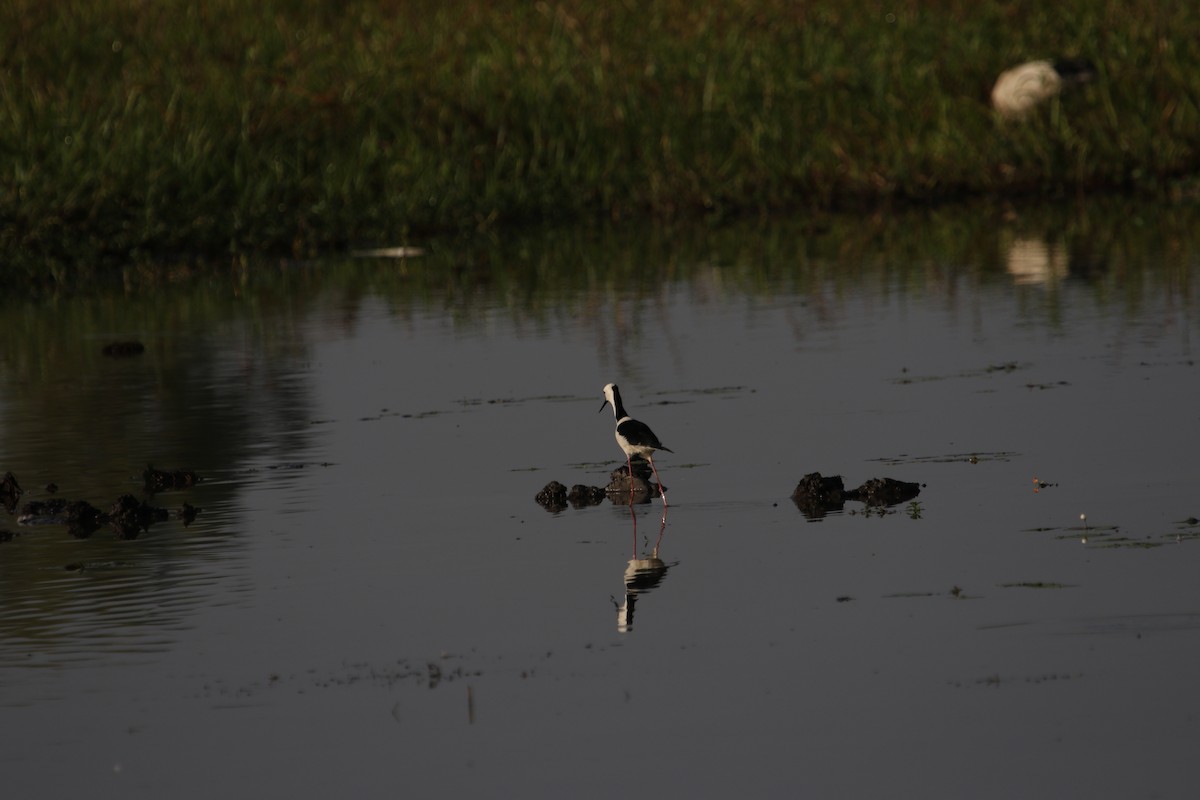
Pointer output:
x,y
371,603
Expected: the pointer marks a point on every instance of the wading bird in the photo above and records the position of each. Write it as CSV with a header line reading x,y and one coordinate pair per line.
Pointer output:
x,y
635,438
1024,87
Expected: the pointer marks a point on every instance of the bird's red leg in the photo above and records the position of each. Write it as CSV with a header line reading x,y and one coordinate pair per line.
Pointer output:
x,y
662,490
629,466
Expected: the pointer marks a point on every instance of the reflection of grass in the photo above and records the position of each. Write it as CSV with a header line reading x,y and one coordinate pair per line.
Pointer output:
x,y
1036,585
294,126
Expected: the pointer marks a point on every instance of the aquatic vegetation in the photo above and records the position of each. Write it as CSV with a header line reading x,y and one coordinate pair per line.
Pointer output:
x,y
227,127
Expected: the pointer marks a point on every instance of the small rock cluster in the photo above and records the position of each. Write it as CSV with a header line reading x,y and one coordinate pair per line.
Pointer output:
x,y
127,515
816,495
555,497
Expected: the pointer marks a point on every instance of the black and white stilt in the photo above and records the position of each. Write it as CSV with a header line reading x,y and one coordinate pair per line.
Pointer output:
x,y
634,437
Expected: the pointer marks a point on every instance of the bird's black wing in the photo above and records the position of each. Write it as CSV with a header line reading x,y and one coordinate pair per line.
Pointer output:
x,y
640,435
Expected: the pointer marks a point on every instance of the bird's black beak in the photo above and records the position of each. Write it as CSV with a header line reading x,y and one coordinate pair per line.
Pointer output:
x,y
602,405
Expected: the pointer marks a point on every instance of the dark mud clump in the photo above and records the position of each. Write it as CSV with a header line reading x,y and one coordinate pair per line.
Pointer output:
x,y
581,496
123,349
621,481
552,497
158,480
130,517
556,497
43,512
83,519
10,492
885,492
817,495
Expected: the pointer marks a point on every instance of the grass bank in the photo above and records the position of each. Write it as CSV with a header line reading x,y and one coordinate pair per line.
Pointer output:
x,y
138,127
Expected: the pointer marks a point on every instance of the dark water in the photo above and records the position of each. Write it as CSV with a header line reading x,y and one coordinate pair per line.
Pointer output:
x,y
371,603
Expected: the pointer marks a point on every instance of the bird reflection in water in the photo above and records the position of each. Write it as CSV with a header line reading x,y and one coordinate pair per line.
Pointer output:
x,y
641,574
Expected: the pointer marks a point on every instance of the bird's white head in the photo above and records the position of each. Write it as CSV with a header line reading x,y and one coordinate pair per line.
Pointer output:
x,y
610,395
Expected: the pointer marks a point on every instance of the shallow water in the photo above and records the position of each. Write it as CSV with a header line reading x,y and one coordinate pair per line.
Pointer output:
x,y
370,601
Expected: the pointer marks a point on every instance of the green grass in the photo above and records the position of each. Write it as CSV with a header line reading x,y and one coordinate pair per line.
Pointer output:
x,y
130,127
